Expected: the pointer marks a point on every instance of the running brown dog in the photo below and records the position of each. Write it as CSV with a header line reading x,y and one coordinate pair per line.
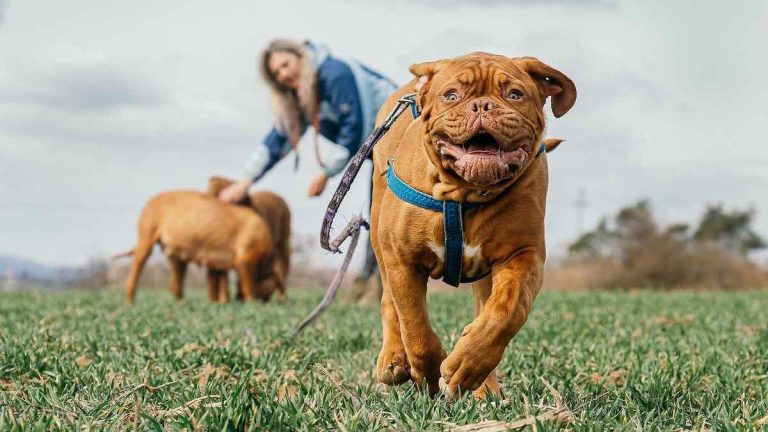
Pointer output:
x,y
273,270
476,141
192,226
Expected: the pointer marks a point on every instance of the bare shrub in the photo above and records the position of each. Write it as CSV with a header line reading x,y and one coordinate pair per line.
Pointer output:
x,y
633,252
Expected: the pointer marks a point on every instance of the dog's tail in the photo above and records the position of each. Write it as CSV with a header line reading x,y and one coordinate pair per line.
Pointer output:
x,y
552,143
122,255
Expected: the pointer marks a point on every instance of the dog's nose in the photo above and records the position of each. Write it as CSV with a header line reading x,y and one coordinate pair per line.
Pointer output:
x,y
482,105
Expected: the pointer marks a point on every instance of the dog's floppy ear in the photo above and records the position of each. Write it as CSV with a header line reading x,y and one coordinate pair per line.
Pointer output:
x,y
552,83
217,184
425,72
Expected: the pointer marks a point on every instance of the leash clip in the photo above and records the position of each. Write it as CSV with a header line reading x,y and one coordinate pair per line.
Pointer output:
x,y
390,162
410,99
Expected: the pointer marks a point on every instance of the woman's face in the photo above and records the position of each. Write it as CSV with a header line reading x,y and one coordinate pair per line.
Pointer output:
x,y
284,66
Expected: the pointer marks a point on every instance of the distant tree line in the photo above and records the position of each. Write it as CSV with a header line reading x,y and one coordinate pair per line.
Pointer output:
x,y
632,250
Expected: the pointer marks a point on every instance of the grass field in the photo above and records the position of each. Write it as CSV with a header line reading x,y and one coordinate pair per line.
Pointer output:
x,y
631,361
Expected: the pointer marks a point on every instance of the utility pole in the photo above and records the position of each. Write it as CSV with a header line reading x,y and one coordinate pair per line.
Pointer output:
x,y
581,205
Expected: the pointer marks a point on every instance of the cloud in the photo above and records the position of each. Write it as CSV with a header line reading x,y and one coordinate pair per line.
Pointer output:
x,y
3,7
100,90
175,126
495,3
96,86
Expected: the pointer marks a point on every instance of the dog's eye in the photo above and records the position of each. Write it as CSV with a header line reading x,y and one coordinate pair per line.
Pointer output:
x,y
515,95
452,95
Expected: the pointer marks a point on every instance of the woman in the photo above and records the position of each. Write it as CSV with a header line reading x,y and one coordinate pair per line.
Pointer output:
x,y
338,97
332,98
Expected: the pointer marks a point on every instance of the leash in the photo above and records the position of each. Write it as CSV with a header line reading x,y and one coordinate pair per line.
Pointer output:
x,y
354,168
352,229
357,223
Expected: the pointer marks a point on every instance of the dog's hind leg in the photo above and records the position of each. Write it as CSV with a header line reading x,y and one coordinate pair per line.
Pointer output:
x,y
140,254
280,278
481,291
224,287
238,288
178,270
246,273
392,367
213,276
283,261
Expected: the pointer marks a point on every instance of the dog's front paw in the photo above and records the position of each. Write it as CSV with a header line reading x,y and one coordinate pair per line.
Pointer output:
x,y
489,387
392,367
425,360
469,365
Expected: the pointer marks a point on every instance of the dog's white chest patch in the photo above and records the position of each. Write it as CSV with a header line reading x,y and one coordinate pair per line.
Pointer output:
x,y
471,253
437,249
474,259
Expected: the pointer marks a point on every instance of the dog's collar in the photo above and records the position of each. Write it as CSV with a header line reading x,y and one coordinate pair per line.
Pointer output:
x,y
452,221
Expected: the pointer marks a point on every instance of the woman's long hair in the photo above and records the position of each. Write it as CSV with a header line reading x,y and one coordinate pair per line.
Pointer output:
x,y
289,104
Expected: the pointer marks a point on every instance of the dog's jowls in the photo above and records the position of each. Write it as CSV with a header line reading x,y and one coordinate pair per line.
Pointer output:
x,y
476,141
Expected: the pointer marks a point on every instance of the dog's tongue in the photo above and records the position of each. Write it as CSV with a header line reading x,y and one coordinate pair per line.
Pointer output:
x,y
482,148
482,144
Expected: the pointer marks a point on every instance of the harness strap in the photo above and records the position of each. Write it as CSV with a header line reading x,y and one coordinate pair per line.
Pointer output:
x,y
454,242
453,229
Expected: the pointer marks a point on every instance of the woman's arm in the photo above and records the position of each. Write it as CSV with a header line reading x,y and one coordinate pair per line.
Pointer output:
x,y
264,157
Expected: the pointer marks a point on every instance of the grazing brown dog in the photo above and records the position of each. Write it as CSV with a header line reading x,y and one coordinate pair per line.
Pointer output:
x,y
273,270
194,227
476,142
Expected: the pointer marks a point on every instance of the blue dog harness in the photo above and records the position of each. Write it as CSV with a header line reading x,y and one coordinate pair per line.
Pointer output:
x,y
452,221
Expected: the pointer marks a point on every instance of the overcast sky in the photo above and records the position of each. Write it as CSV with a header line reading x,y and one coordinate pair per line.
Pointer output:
x,y
105,103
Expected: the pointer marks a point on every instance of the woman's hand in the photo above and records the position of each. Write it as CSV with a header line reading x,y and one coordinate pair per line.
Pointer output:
x,y
235,192
318,185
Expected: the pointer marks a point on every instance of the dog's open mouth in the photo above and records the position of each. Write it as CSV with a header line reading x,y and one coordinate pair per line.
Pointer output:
x,y
480,160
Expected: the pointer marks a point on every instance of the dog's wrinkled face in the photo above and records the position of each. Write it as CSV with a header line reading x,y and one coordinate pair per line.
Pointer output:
x,y
484,113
